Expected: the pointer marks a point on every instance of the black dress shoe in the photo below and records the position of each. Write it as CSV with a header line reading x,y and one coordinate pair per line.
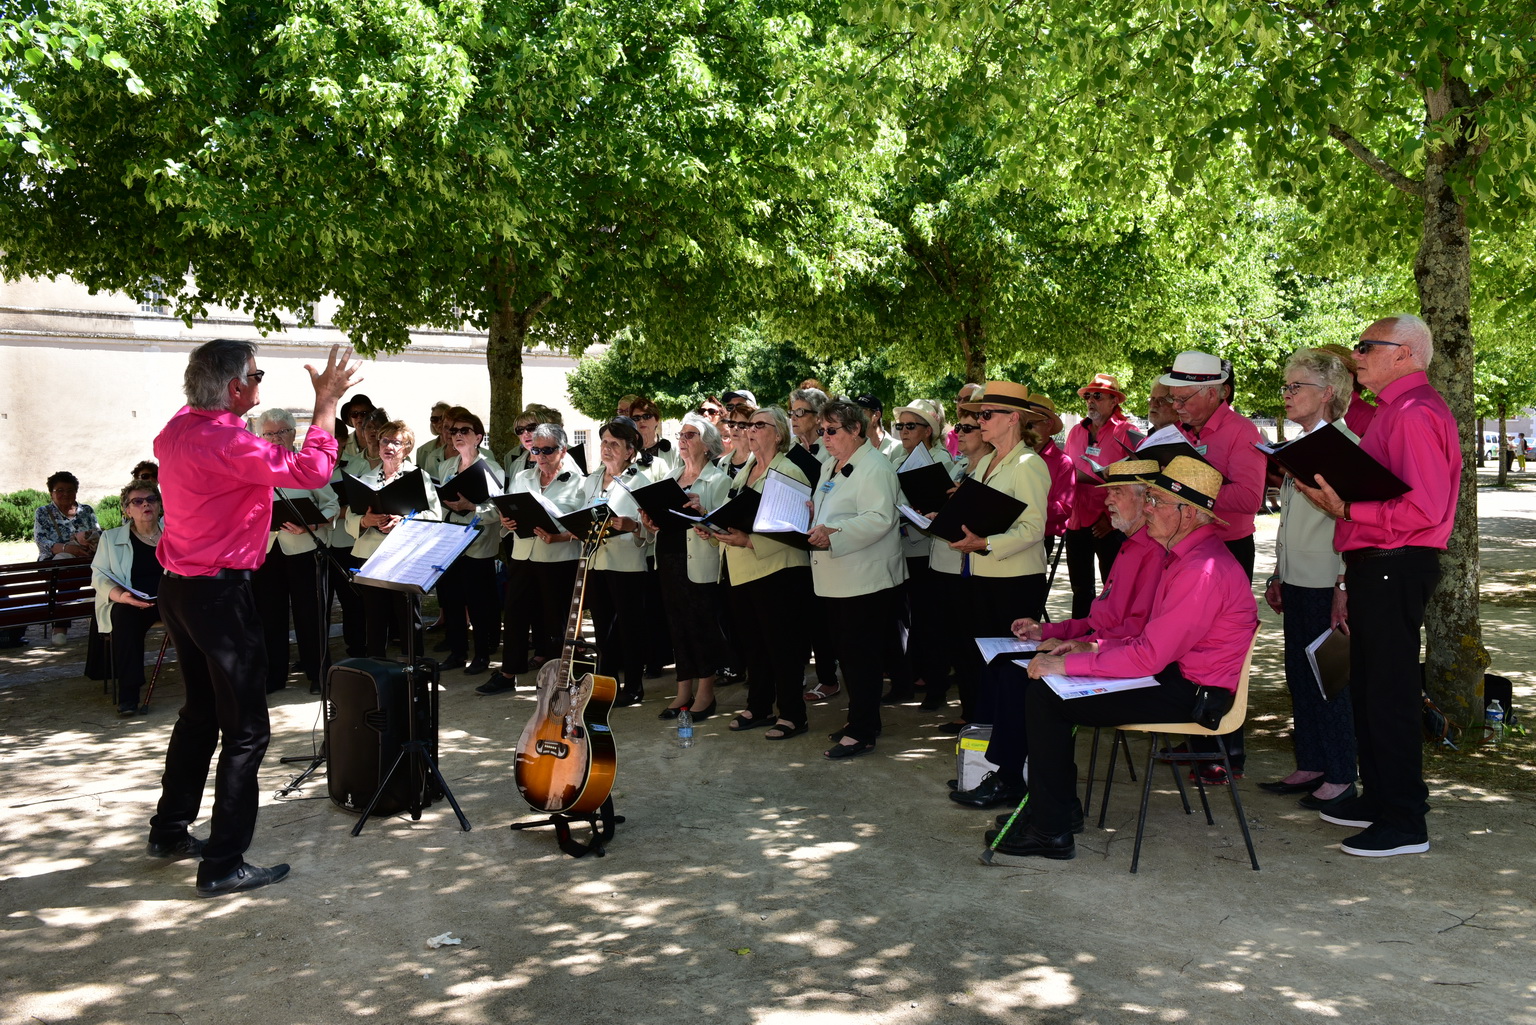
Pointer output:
x,y
933,702
451,663
245,877
671,713
705,712
953,728
1031,843
1280,786
1318,804
989,793
899,697
629,697
654,672
187,846
499,683
1024,821
477,667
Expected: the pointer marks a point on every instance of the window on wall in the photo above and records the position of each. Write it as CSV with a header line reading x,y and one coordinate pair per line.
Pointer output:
x,y
580,438
156,300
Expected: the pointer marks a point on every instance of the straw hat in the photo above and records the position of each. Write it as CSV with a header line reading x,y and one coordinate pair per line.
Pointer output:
x,y
1052,424
1011,396
1103,382
1345,356
928,412
1129,471
1191,481
1194,368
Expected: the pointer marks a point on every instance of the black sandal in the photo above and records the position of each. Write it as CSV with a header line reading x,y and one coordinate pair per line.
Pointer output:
x,y
741,723
784,730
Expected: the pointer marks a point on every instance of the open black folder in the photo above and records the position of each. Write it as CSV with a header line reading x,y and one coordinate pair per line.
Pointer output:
x,y
983,509
1347,467
402,496
477,484
736,514
529,512
927,487
659,499
308,512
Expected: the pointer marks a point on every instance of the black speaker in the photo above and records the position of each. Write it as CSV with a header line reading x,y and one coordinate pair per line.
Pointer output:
x,y
367,724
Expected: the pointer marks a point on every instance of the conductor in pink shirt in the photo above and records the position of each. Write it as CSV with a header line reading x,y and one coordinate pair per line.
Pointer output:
x,y
217,479
1391,556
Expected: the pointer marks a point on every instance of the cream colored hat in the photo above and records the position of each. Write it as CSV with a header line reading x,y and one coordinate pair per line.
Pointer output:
x,y
1129,471
1191,481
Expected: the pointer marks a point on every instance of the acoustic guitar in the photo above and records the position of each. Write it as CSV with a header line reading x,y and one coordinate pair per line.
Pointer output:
x,y
566,756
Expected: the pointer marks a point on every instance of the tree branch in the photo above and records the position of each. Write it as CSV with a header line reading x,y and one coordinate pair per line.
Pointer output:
x,y
1390,174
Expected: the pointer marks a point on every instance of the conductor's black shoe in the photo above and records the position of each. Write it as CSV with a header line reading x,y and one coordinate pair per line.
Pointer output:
x,y
245,877
1023,822
187,846
989,793
1031,843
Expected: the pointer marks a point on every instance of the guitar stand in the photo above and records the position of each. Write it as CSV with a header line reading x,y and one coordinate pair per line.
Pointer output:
x,y
601,823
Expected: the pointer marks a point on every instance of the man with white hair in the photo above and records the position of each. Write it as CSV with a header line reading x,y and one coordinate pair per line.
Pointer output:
x,y
1391,555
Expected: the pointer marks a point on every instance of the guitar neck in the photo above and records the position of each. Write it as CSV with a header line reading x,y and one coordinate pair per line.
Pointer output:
x,y
573,620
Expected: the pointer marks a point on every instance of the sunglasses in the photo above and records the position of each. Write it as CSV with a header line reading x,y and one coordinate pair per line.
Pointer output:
x,y
1363,346
255,376
967,428
434,419
1096,395
688,436
136,502
800,414
641,418
827,432
756,425
526,428
462,430
544,450
711,413
987,414
904,426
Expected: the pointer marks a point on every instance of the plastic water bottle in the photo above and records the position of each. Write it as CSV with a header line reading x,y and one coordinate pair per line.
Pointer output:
x,y
1493,724
685,728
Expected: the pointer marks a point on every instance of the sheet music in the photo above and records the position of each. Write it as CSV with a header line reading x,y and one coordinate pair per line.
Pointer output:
x,y
126,586
917,518
1168,434
1067,687
416,552
784,505
992,647
919,457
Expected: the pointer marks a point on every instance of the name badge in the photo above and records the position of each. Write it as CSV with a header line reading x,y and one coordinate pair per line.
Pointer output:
x,y
1093,450
1201,448
827,487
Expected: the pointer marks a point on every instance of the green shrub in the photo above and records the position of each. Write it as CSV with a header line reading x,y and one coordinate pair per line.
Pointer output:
x,y
15,525
27,500
109,512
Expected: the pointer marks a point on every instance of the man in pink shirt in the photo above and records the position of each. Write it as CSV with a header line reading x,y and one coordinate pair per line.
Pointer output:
x,y
1096,440
217,479
1391,566
1120,611
1197,635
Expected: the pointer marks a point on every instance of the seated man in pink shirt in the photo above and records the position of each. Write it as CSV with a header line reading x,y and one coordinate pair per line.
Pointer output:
x,y
1119,611
1197,635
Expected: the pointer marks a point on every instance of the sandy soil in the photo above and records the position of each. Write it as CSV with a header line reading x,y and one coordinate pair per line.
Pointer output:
x,y
753,882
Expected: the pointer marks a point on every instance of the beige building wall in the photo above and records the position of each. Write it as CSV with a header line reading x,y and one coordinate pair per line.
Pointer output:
x,y
86,382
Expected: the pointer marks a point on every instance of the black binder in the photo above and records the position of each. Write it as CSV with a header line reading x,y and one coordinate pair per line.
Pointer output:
x,y
659,498
475,483
528,512
309,512
402,496
1347,467
927,487
983,509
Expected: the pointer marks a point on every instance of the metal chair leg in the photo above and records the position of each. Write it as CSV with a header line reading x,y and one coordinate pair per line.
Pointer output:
x,y
1237,804
154,679
1093,764
1146,797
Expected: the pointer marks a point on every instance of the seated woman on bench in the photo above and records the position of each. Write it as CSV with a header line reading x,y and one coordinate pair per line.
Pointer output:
x,y
126,556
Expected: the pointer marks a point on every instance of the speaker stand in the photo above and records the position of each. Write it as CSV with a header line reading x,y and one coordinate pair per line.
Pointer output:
x,y
601,823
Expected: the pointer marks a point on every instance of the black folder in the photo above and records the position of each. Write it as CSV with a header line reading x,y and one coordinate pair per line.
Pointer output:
x,y
985,510
528,512
659,498
308,512
927,487
578,453
1166,453
1347,467
580,522
402,496
477,484
737,514
806,460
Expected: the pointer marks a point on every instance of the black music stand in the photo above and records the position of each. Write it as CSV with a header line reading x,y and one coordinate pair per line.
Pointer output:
x,y
411,559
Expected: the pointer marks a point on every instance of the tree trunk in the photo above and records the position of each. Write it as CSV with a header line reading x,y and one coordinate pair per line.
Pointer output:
x,y
1480,430
1500,452
1280,425
973,346
504,360
1455,657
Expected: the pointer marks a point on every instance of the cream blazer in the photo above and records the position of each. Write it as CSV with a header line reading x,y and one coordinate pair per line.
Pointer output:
x,y
1018,551
766,556
487,542
566,493
621,553
865,553
369,539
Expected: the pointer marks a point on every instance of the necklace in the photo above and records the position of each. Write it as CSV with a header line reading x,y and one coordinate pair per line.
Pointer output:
x,y
153,540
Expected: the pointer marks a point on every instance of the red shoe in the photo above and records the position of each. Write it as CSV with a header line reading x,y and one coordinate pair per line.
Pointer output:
x,y
1214,776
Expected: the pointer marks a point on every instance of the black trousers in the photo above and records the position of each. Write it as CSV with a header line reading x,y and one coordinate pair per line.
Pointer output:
x,y
913,638
617,601
1324,731
354,628
1008,682
287,582
862,626
698,646
223,659
538,601
386,610
470,584
774,642
1387,596
953,634
1052,750
129,626
991,605
1082,551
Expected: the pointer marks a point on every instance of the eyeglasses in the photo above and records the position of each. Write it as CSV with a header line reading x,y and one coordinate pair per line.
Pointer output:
x,y
967,428
255,376
827,432
756,425
1363,346
434,419
526,428
462,429
641,418
737,425
544,450
136,502
1096,395
1295,386
687,435
987,414
1179,401
800,414
391,443
907,426
704,411
274,435
1159,400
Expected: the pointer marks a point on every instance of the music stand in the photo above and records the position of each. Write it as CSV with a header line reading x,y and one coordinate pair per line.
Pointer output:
x,y
411,559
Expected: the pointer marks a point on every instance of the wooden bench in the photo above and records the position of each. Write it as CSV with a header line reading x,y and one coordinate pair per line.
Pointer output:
x,y
33,593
